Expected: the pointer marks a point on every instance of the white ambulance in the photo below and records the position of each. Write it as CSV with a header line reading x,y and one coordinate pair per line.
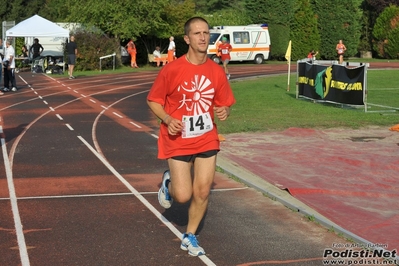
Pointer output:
x,y
250,43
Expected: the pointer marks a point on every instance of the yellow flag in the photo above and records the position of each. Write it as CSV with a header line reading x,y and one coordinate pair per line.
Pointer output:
x,y
288,53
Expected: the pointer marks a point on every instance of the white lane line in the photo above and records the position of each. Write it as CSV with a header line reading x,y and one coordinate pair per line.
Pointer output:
x,y
51,108
45,102
135,124
35,92
93,101
59,117
23,251
110,194
118,115
70,128
84,96
155,136
104,107
165,221
40,97
75,91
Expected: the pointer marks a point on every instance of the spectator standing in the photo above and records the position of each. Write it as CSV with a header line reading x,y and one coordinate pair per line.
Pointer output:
x,y
36,49
225,49
1,62
341,48
131,49
187,95
72,50
171,49
9,68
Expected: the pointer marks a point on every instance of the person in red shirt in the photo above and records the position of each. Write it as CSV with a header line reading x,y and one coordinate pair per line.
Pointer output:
x,y
187,95
341,48
131,49
225,49
312,55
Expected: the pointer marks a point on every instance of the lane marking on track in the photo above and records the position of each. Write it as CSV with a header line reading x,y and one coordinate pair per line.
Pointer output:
x,y
110,194
45,102
59,117
165,221
93,101
134,124
52,109
118,115
23,251
69,126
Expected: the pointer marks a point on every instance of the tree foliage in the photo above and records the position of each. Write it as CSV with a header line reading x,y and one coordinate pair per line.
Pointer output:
x,y
305,35
91,46
338,21
229,17
278,15
380,5
212,6
386,33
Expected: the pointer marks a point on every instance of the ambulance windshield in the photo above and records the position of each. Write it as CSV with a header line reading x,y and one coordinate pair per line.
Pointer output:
x,y
214,37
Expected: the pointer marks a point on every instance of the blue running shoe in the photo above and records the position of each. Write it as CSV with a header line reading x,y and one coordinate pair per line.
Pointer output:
x,y
164,198
191,244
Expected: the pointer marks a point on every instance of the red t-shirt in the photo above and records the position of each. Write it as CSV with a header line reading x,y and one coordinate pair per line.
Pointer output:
x,y
187,89
224,49
340,48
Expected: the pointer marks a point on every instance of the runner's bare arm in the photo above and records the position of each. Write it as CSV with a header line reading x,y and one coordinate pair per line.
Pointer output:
x,y
222,112
175,126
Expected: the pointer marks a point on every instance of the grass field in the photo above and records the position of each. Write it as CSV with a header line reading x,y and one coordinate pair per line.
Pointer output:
x,y
265,105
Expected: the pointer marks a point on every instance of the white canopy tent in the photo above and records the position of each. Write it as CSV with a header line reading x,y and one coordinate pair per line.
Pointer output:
x,y
36,26
45,30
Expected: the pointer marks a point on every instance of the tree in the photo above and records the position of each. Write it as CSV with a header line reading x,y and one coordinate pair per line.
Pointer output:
x,y
380,5
55,10
231,17
305,35
386,33
338,21
278,15
212,6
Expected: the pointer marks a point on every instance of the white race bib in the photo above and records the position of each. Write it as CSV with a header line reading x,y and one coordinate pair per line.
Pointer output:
x,y
196,125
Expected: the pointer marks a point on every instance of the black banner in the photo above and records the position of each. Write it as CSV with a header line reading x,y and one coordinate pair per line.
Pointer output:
x,y
335,83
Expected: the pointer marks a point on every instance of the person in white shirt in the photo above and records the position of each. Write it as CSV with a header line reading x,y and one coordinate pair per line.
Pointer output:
x,y
171,49
9,68
157,55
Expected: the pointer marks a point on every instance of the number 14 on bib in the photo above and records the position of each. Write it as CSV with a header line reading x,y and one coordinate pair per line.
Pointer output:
x,y
196,125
